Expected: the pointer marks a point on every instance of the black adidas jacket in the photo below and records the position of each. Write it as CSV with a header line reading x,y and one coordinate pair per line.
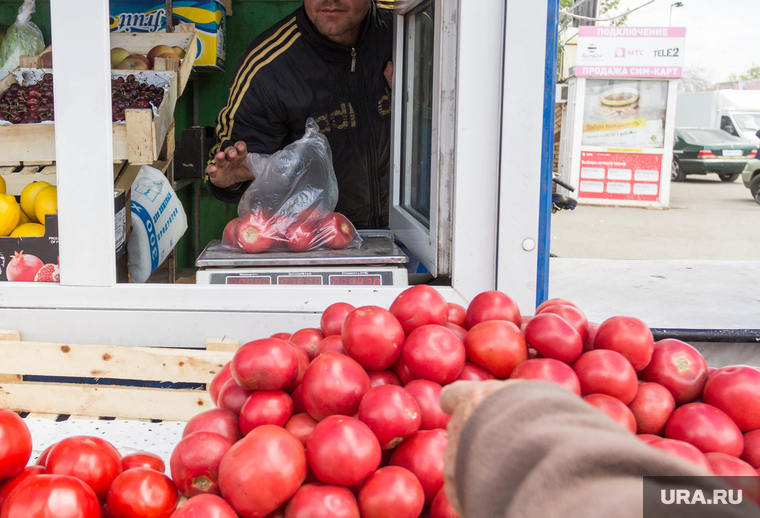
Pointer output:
x,y
290,73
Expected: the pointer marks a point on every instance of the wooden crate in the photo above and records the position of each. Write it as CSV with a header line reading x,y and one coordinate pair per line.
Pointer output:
x,y
107,362
20,175
139,140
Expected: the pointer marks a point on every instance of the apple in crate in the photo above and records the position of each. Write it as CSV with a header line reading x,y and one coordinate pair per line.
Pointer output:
x,y
118,55
179,51
135,62
170,55
157,51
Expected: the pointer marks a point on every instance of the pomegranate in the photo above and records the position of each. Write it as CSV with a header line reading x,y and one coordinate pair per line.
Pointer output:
x,y
48,273
23,267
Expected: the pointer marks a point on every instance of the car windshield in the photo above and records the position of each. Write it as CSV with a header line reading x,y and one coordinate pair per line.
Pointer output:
x,y
709,136
748,121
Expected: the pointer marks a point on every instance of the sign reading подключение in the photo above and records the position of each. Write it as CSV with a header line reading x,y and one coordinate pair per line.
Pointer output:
x,y
630,51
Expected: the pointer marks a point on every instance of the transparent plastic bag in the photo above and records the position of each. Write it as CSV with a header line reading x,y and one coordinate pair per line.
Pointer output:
x,y
289,206
23,38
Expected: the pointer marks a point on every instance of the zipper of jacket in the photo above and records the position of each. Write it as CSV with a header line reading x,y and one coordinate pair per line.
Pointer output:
x,y
353,59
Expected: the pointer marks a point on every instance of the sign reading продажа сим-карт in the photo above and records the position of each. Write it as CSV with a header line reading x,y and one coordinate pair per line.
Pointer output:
x,y
630,51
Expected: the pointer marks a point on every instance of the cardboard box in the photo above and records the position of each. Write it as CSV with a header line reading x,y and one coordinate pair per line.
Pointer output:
x,y
45,248
208,16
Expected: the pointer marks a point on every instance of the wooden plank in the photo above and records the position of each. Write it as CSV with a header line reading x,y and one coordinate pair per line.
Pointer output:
x,y
6,334
140,137
142,43
101,400
29,169
41,415
15,182
227,6
39,162
8,169
48,169
26,142
111,361
127,177
222,344
167,150
165,65
165,118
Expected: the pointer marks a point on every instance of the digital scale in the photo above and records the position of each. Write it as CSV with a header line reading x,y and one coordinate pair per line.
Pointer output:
x,y
379,262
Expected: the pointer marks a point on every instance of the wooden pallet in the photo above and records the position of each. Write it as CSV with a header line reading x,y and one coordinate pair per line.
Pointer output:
x,y
80,371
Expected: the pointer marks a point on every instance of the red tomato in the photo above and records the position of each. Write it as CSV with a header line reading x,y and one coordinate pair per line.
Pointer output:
x,y
42,459
331,344
219,420
378,378
752,449
491,305
232,396
461,332
606,372
572,315
266,364
426,394
678,367
391,413
373,337
553,302
143,459
303,364
229,237
308,339
472,372
90,459
440,507
265,407
457,314
218,382
727,466
628,336
547,369
282,336
9,484
333,384
419,306
300,236
498,346
297,397
646,438
588,345
52,496
553,337
301,425
195,463
705,427
422,454
322,501
336,231
15,444
342,451
205,506
402,371
254,234
684,450
736,391
613,408
652,407
262,471
142,493
434,353
391,491
333,318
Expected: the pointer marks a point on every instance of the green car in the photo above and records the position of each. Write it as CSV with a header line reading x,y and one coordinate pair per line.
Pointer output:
x,y
751,178
707,150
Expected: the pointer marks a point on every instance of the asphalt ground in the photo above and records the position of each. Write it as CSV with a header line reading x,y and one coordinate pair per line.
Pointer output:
x,y
707,219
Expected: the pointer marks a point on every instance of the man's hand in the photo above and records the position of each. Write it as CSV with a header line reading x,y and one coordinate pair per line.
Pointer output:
x,y
388,73
231,166
460,400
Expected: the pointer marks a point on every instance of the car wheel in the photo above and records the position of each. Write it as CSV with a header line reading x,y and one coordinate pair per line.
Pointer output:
x,y
676,173
728,177
754,185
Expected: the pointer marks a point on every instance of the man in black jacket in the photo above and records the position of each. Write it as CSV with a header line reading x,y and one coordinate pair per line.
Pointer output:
x,y
329,60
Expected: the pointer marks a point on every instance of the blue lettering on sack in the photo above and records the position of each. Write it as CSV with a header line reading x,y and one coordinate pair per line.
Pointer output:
x,y
142,213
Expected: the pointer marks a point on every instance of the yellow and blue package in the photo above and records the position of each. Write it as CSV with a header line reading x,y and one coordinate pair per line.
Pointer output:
x,y
209,17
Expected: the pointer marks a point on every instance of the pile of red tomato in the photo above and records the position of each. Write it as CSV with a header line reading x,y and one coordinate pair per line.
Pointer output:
x,y
344,422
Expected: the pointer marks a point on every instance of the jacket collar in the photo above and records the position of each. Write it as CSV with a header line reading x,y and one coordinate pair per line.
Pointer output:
x,y
330,50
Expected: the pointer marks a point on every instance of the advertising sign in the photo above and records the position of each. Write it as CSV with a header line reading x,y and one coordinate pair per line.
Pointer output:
x,y
630,51
624,113
620,176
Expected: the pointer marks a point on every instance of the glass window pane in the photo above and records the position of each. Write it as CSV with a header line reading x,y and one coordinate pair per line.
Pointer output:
x,y
417,117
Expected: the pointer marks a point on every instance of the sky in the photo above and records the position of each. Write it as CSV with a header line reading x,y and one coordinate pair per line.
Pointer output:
x,y
723,36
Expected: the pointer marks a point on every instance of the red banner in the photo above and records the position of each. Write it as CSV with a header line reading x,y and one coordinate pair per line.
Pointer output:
x,y
620,176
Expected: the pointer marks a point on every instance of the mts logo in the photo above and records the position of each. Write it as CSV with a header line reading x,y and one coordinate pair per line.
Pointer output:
x,y
622,52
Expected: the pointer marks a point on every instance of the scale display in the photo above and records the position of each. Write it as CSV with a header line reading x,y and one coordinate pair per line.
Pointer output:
x,y
323,278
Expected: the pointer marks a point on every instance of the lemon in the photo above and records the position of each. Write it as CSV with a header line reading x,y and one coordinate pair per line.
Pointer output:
x,y
29,230
10,213
46,202
24,219
2,185
27,199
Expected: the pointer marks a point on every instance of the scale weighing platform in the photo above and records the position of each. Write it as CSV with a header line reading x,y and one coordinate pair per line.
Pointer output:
x,y
379,262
